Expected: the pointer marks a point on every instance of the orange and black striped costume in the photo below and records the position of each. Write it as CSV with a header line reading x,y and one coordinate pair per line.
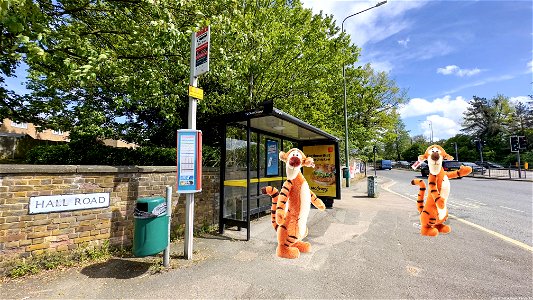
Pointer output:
x,y
286,224
433,213
290,207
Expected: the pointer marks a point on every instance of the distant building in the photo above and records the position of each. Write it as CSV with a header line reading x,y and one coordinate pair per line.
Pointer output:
x,y
9,126
12,132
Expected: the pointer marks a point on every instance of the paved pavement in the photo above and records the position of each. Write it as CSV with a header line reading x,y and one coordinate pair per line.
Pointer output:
x,y
362,248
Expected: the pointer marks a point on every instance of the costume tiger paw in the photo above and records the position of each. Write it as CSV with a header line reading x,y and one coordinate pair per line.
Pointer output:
x,y
434,213
291,205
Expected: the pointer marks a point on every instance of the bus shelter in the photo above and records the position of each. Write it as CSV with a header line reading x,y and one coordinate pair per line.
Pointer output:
x,y
250,150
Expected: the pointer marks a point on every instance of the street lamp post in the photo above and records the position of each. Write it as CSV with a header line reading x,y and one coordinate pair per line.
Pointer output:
x,y
431,128
345,103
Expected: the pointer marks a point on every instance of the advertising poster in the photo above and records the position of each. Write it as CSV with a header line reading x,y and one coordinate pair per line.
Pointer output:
x,y
272,167
321,179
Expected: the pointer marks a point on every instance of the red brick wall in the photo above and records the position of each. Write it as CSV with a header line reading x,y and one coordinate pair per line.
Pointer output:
x,y
22,234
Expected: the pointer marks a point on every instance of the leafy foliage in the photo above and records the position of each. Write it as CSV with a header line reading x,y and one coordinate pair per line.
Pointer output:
x,y
120,69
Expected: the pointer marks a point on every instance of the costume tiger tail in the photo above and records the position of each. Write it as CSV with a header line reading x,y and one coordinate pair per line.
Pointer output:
x,y
421,193
273,193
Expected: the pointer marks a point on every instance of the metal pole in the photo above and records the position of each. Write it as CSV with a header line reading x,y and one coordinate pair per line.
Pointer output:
x,y
456,154
431,127
346,143
189,198
518,157
166,258
375,174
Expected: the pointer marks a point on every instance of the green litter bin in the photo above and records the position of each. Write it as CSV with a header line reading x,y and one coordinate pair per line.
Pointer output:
x,y
150,234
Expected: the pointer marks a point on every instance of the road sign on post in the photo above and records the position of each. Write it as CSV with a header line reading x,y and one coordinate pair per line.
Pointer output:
x,y
201,53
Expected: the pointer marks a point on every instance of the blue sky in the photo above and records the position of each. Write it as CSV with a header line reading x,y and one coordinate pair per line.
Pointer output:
x,y
443,53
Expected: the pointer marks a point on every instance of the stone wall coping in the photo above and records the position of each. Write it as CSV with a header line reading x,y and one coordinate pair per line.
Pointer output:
x,y
62,169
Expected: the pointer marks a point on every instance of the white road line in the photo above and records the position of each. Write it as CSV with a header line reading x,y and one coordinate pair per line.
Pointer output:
x,y
494,233
463,204
476,201
512,209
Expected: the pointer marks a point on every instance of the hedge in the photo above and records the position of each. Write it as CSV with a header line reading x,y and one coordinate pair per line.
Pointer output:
x,y
99,154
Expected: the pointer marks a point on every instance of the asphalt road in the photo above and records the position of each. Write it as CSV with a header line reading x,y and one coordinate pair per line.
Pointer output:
x,y
504,206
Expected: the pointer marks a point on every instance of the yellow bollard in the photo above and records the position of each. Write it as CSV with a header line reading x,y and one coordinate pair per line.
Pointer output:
x,y
526,165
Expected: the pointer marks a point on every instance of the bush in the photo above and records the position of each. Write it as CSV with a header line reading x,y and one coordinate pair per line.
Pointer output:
x,y
99,154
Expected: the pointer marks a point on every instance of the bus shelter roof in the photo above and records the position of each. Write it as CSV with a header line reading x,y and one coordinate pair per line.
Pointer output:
x,y
278,123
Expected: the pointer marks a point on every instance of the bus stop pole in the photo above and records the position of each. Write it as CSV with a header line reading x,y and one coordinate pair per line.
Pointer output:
x,y
189,197
166,257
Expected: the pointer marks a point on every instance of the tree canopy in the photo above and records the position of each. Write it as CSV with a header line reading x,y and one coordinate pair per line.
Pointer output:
x,y
120,68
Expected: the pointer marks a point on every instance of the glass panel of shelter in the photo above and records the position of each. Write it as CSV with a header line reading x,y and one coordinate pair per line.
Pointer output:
x,y
235,193
235,160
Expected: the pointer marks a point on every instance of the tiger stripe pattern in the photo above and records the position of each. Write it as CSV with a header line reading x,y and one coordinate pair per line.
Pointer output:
x,y
433,211
291,205
421,193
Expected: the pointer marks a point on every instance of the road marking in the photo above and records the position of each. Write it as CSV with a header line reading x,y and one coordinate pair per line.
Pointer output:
x,y
512,209
491,232
464,204
476,201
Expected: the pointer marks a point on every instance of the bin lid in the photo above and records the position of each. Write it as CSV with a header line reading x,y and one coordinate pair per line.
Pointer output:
x,y
152,202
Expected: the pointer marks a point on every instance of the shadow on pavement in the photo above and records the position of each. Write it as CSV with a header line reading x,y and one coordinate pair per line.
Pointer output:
x,y
117,268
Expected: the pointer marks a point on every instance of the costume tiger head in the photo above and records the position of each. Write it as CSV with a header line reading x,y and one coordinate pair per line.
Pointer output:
x,y
294,160
435,154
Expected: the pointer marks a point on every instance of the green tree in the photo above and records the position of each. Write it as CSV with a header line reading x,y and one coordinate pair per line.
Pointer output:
x,y
372,102
489,120
107,68
120,69
416,149
466,149
396,141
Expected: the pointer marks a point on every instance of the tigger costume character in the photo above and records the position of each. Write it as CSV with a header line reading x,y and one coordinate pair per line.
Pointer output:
x,y
434,212
290,206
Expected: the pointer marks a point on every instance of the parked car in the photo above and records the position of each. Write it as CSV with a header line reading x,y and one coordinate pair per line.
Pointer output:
x,y
424,169
489,164
384,164
403,164
447,165
475,168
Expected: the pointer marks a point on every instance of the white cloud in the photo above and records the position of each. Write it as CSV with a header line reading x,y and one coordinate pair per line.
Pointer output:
x,y
445,114
441,127
404,42
519,99
453,69
530,66
374,25
480,83
446,106
382,66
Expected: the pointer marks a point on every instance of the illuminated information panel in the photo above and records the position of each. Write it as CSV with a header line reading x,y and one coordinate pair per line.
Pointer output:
x,y
189,158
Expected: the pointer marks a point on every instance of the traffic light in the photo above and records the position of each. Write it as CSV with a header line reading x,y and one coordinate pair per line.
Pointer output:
x,y
515,145
522,142
479,145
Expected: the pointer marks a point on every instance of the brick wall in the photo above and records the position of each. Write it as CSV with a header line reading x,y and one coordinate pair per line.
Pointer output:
x,y
22,234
